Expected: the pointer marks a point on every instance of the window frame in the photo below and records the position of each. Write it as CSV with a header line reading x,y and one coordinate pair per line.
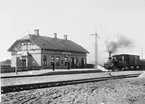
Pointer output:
x,y
58,61
44,60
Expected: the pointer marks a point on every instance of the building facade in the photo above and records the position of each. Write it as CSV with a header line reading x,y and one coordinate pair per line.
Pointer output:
x,y
34,50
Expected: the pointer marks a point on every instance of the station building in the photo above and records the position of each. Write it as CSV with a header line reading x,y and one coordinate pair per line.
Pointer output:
x,y
34,50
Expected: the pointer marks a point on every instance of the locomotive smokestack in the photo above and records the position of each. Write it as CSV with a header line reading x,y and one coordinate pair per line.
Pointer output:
x,y
109,54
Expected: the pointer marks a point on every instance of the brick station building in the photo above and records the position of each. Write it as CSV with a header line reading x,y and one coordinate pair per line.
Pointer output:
x,y
34,50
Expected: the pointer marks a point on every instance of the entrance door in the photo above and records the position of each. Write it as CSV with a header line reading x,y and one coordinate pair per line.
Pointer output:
x,y
18,62
23,62
82,61
72,62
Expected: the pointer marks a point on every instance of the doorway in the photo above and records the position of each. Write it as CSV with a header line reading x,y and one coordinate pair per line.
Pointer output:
x,y
82,61
72,62
23,62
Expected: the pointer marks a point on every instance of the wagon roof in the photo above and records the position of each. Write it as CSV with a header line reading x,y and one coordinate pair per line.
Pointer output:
x,y
125,55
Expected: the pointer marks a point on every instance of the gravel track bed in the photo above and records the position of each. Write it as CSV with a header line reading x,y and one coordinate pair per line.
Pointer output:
x,y
118,91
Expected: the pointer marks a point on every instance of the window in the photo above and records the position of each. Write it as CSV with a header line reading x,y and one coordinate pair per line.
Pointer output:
x,y
28,43
23,62
61,61
44,60
57,61
77,60
57,58
52,57
84,60
22,43
66,59
23,46
65,63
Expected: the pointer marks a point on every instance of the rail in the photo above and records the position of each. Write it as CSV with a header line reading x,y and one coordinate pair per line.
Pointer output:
x,y
14,88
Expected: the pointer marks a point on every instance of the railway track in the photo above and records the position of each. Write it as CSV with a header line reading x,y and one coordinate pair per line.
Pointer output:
x,y
15,88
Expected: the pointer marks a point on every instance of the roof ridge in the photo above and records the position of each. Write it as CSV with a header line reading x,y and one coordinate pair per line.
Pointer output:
x,y
55,38
62,44
78,45
48,42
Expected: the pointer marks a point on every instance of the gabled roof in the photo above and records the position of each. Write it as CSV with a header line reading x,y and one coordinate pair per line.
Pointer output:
x,y
27,37
52,44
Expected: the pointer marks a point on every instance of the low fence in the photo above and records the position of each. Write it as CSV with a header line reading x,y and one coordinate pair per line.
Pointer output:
x,y
7,69
90,66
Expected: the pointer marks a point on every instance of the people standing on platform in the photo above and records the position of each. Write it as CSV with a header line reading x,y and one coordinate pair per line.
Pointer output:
x,y
16,70
77,65
53,66
68,65
110,66
109,73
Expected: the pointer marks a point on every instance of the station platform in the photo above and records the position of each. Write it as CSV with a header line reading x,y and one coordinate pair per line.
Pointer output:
x,y
45,77
44,71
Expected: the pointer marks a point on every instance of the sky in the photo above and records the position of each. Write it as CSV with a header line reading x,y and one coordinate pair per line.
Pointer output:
x,y
76,18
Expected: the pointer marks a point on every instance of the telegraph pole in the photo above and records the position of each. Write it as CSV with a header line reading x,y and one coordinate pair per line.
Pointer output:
x,y
96,48
117,36
142,53
16,68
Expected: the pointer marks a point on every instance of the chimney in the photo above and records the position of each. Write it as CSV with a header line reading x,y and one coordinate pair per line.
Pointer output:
x,y
36,32
65,37
55,35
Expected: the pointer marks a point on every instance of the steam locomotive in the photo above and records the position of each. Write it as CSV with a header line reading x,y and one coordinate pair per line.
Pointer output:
x,y
122,62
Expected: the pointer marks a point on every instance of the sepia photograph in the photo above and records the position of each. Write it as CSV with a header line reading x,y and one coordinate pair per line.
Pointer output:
x,y
72,51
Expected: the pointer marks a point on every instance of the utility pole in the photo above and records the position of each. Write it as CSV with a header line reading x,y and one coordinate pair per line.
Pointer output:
x,y
16,68
96,48
117,36
142,53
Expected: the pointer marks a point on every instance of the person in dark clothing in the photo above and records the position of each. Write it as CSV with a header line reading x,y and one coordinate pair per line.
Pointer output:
x,y
77,65
110,64
68,65
16,70
53,66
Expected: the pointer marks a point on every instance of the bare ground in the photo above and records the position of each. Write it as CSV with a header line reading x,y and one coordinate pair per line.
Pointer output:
x,y
120,91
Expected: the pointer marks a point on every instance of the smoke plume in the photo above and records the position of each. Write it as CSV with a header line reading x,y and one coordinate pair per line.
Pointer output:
x,y
123,42
112,47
